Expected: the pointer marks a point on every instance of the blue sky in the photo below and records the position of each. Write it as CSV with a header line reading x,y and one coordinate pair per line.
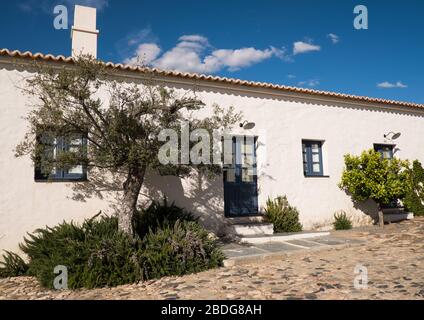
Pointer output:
x,y
305,43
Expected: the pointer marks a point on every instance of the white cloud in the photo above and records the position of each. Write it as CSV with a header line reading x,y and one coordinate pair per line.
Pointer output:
x,y
193,53
309,83
130,45
194,38
240,58
291,76
146,53
142,35
304,47
389,85
334,38
186,56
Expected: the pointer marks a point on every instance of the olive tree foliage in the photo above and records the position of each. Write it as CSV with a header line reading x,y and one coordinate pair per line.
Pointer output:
x,y
122,130
368,176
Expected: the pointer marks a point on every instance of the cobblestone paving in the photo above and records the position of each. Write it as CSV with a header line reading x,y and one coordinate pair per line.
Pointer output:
x,y
393,256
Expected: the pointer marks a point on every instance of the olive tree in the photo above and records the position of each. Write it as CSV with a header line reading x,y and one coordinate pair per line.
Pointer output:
x,y
368,176
122,130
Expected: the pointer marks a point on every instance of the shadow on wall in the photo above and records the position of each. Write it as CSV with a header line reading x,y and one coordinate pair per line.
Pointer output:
x,y
199,194
369,207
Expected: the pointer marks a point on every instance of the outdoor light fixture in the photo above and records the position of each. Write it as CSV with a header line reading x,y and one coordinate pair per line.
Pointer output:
x,y
247,125
394,135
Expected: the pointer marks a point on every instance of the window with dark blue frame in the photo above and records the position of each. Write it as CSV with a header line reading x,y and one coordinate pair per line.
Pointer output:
x,y
386,150
51,147
312,158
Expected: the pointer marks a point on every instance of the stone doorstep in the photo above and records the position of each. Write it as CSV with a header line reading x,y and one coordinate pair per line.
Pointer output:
x,y
253,229
282,237
246,220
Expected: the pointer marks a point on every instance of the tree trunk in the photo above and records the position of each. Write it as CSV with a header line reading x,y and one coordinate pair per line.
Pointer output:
x,y
132,188
380,216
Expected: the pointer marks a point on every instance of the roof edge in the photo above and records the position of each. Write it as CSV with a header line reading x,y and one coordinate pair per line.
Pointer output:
x,y
209,78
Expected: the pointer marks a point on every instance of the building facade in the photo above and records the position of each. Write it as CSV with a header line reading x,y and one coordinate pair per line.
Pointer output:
x,y
299,139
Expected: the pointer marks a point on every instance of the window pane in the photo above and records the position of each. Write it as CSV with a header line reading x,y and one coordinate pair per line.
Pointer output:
x,y
75,149
76,141
76,170
48,139
231,175
315,157
248,148
247,175
315,147
316,168
249,160
228,152
387,154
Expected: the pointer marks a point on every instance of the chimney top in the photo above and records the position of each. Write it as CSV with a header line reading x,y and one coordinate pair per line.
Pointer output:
x,y
84,32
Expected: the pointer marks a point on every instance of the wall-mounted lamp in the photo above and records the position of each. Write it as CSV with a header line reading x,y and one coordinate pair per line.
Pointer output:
x,y
247,125
394,135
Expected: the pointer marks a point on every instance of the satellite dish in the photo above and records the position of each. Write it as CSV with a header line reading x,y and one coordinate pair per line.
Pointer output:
x,y
396,136
247,125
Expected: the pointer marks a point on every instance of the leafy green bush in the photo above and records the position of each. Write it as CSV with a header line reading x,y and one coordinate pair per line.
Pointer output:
x,y
414,199
159,215
368,176
342,221
284,217
180,249
12,266
95,253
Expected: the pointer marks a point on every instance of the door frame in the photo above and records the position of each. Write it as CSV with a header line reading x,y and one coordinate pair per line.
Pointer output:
x,y
238,175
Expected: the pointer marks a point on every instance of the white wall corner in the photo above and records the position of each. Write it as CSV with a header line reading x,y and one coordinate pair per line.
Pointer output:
x,y
84,32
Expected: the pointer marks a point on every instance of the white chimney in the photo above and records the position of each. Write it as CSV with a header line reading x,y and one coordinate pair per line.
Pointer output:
x,y
84,33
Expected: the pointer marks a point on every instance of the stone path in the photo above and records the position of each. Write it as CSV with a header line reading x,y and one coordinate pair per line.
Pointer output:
x,y
238,254
394,258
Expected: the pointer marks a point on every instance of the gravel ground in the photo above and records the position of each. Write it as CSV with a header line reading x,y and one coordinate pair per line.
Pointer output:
x,y
393,257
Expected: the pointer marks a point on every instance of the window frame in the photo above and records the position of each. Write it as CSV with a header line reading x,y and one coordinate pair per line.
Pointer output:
x,y
62,175
308,165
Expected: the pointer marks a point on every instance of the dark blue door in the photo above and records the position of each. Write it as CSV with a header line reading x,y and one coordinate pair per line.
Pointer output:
x,y
240,179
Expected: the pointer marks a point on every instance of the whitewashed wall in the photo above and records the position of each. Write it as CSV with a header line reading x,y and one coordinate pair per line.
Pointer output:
x,y
282,121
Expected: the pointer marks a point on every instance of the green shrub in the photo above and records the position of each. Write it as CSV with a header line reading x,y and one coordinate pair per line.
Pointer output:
x,y
95,253
342,221
12,266
368,176
414,199
180,249
284,217
159,215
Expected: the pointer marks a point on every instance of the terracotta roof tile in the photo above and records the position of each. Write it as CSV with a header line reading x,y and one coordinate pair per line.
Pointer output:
x,y
209,78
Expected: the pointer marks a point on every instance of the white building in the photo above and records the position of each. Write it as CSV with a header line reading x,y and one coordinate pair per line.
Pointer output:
x,y
287,122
